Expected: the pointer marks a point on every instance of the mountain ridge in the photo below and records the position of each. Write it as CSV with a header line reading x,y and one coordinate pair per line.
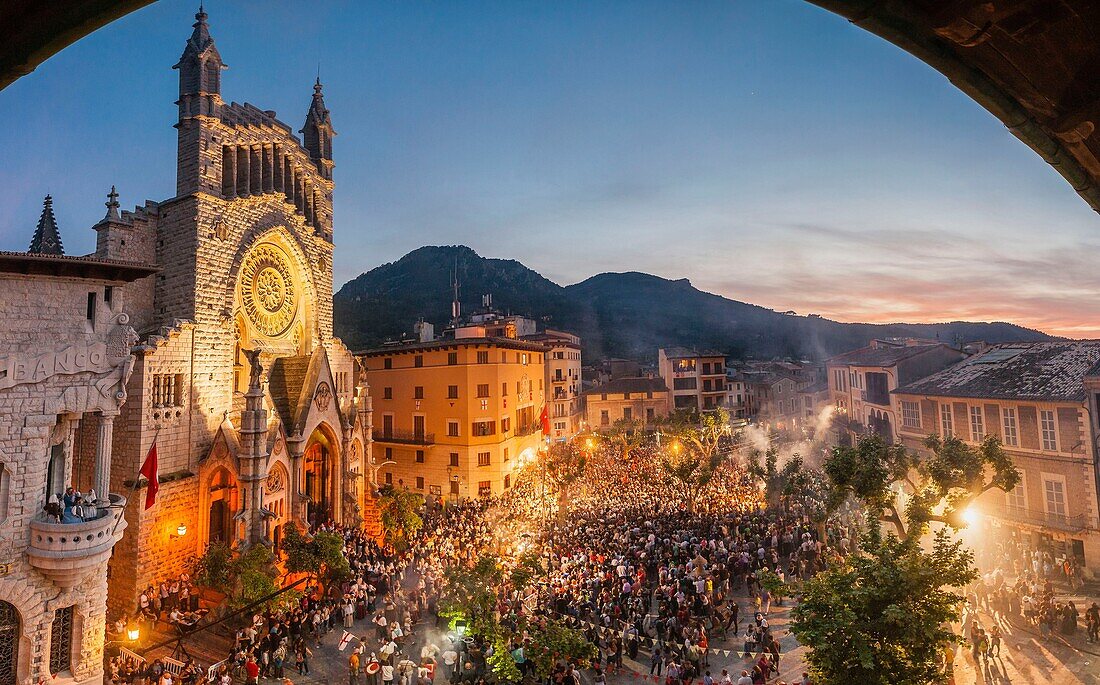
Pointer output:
x,y
617,314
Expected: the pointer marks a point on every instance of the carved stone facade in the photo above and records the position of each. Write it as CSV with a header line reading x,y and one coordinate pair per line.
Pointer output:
x,y
235,372
224,358
65,356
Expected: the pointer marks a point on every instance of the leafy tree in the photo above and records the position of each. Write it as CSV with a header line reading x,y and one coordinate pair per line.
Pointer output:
x,y
399,509
882,616
627,436
552,641
793,478
692,455
254,575
528,567
938,486
321,556
771,582
502,665
213,568
563,465
470,594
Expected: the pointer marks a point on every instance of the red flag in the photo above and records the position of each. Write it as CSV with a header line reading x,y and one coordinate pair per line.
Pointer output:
x,y
150,471
545,419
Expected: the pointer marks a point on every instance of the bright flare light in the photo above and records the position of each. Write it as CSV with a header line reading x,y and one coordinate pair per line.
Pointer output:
x,y
970,516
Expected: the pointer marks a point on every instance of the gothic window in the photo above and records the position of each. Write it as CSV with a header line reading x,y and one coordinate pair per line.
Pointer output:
x,y
9,643
61,640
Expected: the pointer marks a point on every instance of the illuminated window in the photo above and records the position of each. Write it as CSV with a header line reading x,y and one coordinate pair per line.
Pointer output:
x,y
482,458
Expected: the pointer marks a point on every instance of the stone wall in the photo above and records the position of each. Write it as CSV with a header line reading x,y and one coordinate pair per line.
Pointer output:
x,y
41,315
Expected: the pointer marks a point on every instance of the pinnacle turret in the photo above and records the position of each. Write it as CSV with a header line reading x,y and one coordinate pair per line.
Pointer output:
x,y
317,133
47,239
112,206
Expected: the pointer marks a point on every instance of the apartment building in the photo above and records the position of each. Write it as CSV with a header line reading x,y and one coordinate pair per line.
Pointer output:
x,y
454,417
563,381
697,379
632,399
1033,397
860,381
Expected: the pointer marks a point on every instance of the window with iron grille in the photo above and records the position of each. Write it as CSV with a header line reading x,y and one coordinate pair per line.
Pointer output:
x,y
9,643
61,640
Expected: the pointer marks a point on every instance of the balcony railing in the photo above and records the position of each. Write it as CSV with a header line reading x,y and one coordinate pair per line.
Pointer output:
x,y
404,437
1069,524
66,552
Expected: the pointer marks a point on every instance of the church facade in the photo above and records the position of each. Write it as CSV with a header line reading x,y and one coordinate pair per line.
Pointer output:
x,y
201,324
255,408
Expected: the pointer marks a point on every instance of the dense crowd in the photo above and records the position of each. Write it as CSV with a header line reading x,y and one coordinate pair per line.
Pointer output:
x,y
647,569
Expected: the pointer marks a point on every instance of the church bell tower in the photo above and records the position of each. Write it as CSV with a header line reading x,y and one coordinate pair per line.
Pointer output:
x,y
200,69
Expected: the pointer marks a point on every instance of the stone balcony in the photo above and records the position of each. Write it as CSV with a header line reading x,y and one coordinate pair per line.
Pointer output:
x,y
67,552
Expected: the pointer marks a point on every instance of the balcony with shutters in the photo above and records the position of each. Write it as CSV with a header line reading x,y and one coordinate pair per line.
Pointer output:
x,y
404,437
67,552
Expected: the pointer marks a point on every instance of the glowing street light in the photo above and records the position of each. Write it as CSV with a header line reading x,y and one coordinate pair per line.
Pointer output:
x,y
133,633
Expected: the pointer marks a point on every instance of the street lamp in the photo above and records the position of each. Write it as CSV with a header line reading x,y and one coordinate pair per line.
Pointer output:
x,y
133,632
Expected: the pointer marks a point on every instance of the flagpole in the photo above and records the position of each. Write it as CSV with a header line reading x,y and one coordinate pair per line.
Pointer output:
x,y
133,489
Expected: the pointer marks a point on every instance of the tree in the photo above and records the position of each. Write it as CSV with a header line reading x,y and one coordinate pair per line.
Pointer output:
x,y
793,478
692,455
321,556
883,614
627,435
552,641
470,594
908,490
563,465
399,509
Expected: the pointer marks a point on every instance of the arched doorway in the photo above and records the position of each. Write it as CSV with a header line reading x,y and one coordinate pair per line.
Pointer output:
x,y
223,499
319,470
9,643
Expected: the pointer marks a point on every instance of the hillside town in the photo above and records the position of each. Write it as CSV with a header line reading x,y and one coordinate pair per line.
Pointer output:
x,y
202,483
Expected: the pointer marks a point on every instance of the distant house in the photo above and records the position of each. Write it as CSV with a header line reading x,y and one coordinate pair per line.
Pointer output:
x,y
634,399
860,381
697,379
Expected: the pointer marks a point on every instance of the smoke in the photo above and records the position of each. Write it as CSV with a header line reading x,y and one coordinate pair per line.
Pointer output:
x,y
808,441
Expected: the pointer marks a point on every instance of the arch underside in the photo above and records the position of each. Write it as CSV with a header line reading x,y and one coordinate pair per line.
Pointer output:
x,y
1034,65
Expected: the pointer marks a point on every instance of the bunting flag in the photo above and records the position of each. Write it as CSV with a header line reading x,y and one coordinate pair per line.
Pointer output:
x,y
151,471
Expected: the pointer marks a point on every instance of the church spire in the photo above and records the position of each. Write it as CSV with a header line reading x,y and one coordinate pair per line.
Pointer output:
x,y
200,64
317,133
47,239
112,206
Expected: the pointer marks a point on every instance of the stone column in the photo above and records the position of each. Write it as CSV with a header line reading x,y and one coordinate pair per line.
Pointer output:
x,y
103,457
242,171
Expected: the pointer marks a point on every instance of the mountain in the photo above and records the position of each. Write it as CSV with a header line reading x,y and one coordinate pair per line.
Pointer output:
x,y
616,314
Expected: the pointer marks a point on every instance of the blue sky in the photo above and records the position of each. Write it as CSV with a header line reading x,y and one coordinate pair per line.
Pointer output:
x,y
765,149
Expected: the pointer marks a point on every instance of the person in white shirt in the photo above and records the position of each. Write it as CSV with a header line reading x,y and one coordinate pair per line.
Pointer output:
x,y
744,679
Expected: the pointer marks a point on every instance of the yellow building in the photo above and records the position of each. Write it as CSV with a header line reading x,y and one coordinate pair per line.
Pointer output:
x,y
455,417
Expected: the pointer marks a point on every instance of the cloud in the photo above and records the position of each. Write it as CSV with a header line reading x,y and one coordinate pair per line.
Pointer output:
x,y
927,274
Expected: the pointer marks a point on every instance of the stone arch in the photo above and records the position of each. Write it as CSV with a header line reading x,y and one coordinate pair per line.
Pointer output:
x,y
320,476
299,338
219,499
16,635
